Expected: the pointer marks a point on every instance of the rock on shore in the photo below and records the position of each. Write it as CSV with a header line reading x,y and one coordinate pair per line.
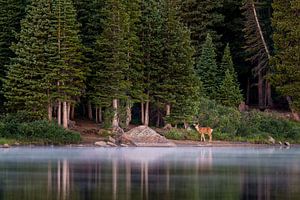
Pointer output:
x,y
145,136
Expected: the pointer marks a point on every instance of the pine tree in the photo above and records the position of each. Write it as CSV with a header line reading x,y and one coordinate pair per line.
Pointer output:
x,y
227,63
202,17
179,88
70,73
150,33
285,62
11,13
89,15
26,85
229,93
109,83
135,93
207,70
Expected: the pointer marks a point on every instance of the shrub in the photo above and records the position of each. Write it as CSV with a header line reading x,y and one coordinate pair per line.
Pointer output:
x,y
261,124
220,118
174,134
12,127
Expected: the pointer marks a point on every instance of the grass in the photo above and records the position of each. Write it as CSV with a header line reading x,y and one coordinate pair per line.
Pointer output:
x,y
7,141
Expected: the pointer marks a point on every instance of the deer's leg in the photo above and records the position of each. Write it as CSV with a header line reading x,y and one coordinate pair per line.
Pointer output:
x,y
210,137
203,137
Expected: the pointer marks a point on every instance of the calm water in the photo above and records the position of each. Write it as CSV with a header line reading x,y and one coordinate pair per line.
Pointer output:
x,y
149,173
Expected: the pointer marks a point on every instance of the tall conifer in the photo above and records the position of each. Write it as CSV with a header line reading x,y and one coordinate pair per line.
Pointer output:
x,y
27,81
110,83
11,13
207,70
202,17
179,88
70,73
285,62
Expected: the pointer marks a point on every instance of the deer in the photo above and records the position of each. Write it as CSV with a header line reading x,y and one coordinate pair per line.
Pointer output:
x,y
204,130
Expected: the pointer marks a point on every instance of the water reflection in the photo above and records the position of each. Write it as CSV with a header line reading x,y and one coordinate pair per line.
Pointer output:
x,y
149,173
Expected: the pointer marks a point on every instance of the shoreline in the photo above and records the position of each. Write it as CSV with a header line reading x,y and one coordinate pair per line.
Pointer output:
x,y
178,143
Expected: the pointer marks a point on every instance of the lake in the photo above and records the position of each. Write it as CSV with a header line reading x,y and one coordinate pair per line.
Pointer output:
x,y
184,173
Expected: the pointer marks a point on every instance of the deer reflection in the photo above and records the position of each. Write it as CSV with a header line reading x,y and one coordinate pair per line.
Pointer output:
x,y
204,160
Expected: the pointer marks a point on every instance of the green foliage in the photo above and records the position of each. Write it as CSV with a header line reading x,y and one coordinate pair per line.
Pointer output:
x,y
174,134
285,62
180,86
107,117
202,17
70,74
25,87
221,118
229,93
7,141
207,69
260,124
182,134
111,50
150,34
11,13
227,64
13,127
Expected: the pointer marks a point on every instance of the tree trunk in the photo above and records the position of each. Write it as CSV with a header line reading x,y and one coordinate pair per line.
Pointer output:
x,y
59,113
142,113
69,110
260,88
147,114
269,100
186,125
294,113
168,112
157,117
49,111
115,121
96,114
260,31
90,111
248,92
65,115
72,112
128,113
100,115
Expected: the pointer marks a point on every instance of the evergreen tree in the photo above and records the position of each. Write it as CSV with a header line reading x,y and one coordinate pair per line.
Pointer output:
x,y
135,92
202,17
207,70
227,63
229,93
150,33
285,62
70,73
11,13
179,87
26,85
109,82
89,15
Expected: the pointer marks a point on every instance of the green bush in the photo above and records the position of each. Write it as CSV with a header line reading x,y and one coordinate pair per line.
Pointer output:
x,y
220,118
12,127
229,124
257,124
174,134
182,134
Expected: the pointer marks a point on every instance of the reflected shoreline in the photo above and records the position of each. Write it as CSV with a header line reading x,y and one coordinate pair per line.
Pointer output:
x,y
149,173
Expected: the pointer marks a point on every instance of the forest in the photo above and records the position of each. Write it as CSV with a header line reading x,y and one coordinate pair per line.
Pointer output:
x,y
163,63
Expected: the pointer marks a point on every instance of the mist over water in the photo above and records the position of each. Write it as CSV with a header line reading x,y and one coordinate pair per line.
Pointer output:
x,y
149,173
